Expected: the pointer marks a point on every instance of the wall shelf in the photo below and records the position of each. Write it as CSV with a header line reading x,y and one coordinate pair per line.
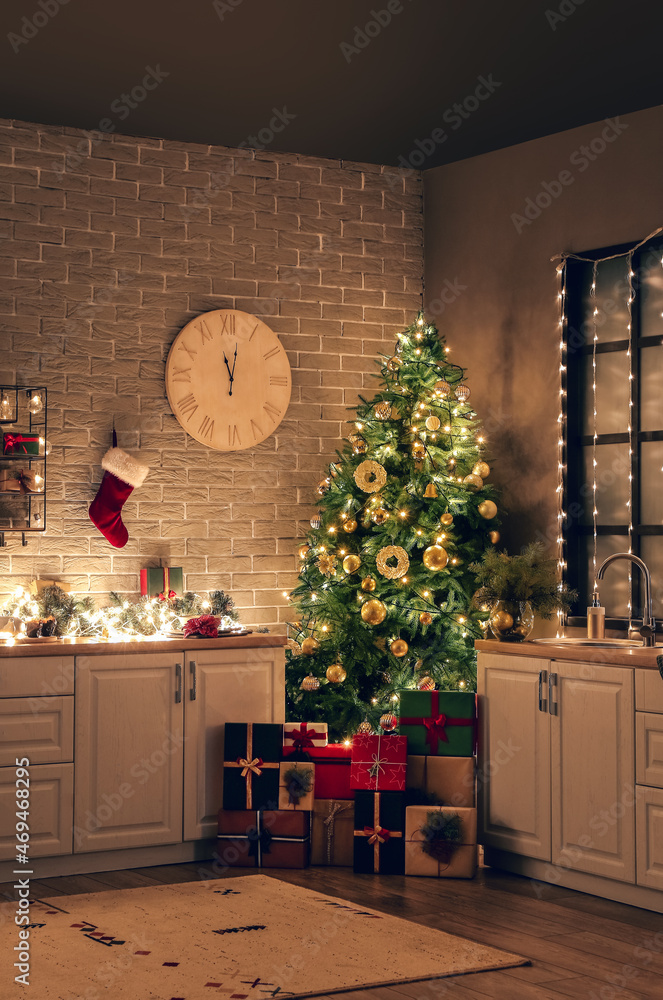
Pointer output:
x,y
23,512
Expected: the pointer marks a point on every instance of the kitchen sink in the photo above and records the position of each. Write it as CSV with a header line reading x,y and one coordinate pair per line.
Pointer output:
x,y
598,643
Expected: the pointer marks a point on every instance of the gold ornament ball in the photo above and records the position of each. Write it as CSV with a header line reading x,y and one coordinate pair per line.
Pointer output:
x,y
373,612
399,647
425,618
487,509
418,449
335,674
394,364
382,411
379,515
476,482
442,388
368,583
365,728
462,393
310,683
433,423
350,525
351,563
426,683
323,487
494,537
446,519
435,558
431,491
481,469
388,722
358,443
501,620
303,551
310,645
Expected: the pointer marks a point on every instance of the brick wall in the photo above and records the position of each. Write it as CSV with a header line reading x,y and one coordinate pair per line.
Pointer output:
x,y
109,246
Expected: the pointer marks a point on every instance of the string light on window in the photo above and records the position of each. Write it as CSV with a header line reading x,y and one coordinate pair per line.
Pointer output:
x,y
595,512
561,426
629,502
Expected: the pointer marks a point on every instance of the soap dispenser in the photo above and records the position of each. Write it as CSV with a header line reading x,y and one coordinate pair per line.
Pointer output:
x,y
595,619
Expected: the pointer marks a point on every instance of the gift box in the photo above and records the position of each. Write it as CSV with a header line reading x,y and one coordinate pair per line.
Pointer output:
x,y
269,839
332,832
427,853
379,841
296,784
304,735
332,769
449,779
378,762
16,443
20,481
438,722
38,585
251,755
164,582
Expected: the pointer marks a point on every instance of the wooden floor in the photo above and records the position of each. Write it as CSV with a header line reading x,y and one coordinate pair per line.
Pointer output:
x,y
579,946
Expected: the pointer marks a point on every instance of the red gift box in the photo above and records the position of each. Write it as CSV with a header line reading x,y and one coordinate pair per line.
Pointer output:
x,y
379,763
332,769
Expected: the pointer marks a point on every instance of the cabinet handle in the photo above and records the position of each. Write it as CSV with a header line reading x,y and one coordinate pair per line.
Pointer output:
x,y
194,684
178,683
543,704
552,682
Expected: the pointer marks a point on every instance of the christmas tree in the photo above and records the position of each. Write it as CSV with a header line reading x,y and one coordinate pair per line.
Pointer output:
x,y
385,598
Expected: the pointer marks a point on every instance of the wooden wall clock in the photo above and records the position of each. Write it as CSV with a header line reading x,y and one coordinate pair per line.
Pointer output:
x,y
228,379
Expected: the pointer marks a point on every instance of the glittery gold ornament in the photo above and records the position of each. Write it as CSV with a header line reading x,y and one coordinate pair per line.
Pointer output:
x,y
326,563
418,449
392,552
323,487
388,722
426,683
399,647
431,491
481,469
462,393
358,444
368,583
494,537
435,558
379,515
394,364
335,673
476,482
373,612
442,388
365,728
310,645
487,509
447,519
501,620
425,618
382,410
303,551
370,476
315,521
310,683
433,422
333,470
350,525
351,563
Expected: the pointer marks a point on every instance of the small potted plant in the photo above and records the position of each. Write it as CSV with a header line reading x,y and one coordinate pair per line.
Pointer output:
x,y
515,588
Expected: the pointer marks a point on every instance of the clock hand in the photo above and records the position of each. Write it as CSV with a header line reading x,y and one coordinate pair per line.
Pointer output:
x,y
235,361
230,374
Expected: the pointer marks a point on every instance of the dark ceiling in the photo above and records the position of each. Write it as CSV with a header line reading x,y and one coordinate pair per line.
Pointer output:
x,y
357,89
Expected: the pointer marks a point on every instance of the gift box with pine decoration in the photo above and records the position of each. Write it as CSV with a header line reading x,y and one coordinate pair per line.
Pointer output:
x,y
251,756
447,780
332,769
164,582
379,832
305,735
332,832
296,784
440,841
378,763
439,723
264,839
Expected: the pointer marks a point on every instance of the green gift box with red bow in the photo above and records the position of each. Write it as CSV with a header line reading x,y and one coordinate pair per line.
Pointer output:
x,y
18,443
164,582
438,723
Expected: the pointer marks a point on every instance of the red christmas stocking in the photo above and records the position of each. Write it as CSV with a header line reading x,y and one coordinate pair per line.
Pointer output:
x,y
121,476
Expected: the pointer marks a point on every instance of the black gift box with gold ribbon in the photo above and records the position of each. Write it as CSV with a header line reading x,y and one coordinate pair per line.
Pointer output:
x,y
379,834
251,755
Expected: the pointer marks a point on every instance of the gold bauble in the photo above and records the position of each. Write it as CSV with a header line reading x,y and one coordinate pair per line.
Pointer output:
x,y
323,487
501,620
310,683
431,491
425,618
335,673
358,443
494,537
388,722
379,515
476,482
365,728
394,364
350,525
351,563
303,551
310,645
418,449
462,393
382,410
399,647
435,557
426,683
487,509
433,422
373,612
447,519
481,469
442,388
368,583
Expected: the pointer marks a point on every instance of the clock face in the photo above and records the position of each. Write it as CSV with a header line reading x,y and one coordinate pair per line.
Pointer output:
x,y
228,380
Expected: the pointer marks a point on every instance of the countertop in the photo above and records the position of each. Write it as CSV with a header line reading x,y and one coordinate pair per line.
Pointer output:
x,y
92,647
639,656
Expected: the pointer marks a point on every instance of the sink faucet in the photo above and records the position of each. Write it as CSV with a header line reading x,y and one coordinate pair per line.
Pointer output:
x,y
648,630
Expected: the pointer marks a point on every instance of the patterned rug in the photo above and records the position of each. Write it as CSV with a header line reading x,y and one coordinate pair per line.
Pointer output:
x,y
238,939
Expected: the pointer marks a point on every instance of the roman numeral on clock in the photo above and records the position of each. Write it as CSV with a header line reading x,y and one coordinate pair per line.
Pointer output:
x,y
205,332
187,405
271,411
278,380
207,428
270,354
180,375
253,331
228,325
257,430
183,347
233,435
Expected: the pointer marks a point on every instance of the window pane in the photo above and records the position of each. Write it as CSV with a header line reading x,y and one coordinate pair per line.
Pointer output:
x,y
611,484
650,293
651,482
612,392
651,549
611,300
651,387
613,588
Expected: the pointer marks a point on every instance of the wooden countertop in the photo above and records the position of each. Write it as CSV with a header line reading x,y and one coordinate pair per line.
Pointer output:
x,y
92,647
638,656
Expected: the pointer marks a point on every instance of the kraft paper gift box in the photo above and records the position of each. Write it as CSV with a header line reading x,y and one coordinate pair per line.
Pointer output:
x,y
13,480
440,859
379,842
438,722
251,755
18,443
264,839
305,735
378,763
332,769
332,832
296,784
161,581
449,779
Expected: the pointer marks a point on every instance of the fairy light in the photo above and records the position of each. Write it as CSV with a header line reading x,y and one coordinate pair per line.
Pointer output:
x,y
561,427
595,512
629,502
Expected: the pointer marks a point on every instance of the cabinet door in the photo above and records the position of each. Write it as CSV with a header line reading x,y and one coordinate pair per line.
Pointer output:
x,y
514,755
129,755
51,810
593,770
41,729
223,685
650,836
649,749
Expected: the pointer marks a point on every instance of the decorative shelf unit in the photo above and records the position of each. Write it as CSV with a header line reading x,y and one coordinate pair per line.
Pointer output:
x,y
23,506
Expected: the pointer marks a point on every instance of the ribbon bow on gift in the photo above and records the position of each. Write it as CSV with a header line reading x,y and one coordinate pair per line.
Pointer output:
x,y
167,597
303,737
377,834
436,729
250,766
259,843
12,442
377,768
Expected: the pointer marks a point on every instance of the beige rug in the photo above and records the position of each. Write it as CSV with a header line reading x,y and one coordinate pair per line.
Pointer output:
x,y
243,938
